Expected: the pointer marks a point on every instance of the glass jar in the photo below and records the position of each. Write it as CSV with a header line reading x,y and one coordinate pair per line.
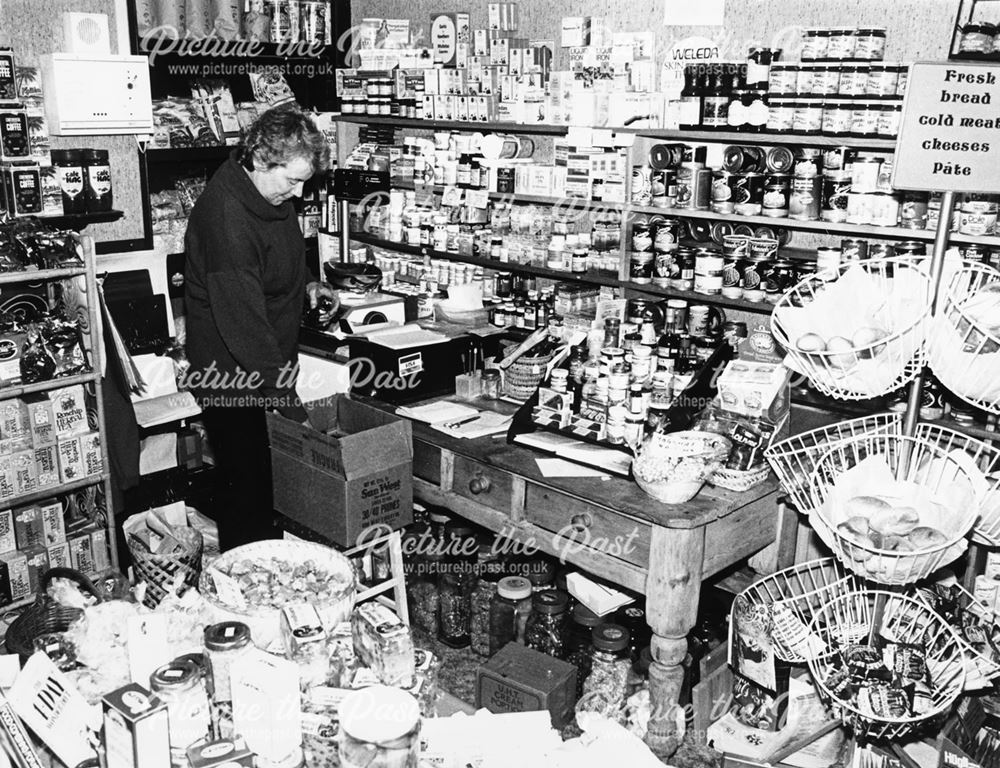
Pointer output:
x,y
853,81
380,728
633,619
483,594
977,38
69,169
491,384
579,643
889,117
455,584
541,572
869,44
841,44
605,687
780,114
180,685
837,117
97,180
225,643
808,117
815,44
509,611
546,627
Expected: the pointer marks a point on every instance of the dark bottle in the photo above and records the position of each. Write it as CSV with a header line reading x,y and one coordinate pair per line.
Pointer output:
x,y
579,645
689,117
69,167
546,628
633,618
455,585
97,180
715,108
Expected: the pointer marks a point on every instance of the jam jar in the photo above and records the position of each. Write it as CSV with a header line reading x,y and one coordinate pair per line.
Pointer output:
x,y
546,628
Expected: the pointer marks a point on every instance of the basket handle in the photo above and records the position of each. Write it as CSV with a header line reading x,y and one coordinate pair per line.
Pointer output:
x,y
72,575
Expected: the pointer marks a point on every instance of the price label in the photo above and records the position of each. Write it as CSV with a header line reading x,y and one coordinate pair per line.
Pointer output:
x,y
451,196
228,590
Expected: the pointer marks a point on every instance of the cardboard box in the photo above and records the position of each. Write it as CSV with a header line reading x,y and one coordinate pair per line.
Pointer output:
x,y
520,679
93,458
99,550
136,729
70,459
81,553
14,581
575,31
59,555
14,424
69,411
447,31
266,703
755,389
38,563
46,465
341,486
8,540
223,753
28,527
24,473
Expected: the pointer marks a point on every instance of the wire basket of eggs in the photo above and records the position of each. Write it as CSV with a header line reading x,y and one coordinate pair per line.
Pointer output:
x,y
792,597
857,331
794,459
893,667
964,339
893,508
982,463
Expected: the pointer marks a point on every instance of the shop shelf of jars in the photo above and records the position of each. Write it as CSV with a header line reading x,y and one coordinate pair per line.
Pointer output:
x,y
39,275
753,307
6,393
420,124
596,278
565,203
77,221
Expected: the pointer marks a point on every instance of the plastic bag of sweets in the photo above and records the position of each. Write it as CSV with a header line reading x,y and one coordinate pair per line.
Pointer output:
x,y
50,250
65,343
37,363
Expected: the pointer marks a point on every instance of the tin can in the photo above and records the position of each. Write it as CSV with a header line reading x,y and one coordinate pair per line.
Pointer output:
x,y
741,159
663,188
833,201
776,192
976,253
642,238
734,331
779,278
641,184
663,156
853,250
828,259
736,246
763,249
641,267
780,160
686,180
685,270
665,268
865,172
803,199
837,158
722,193
978,215
748,193
860,208
752,282
807,162
709,283
911,248
886,207
702,192
666,235
732,277
913,214
881,251
720,230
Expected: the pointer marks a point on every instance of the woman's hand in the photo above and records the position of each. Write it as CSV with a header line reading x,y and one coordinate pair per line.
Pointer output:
x,y
324,299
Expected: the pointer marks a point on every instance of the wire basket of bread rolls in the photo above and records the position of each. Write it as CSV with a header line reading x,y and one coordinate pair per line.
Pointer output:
x,y
893,667
793,595
857,331
893,508
964,339
794,459
983,465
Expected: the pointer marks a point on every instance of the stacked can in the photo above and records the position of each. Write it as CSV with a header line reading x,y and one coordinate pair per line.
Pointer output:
x,y
666,234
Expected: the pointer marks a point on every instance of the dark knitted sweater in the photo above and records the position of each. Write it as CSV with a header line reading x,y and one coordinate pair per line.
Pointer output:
x,y
245,278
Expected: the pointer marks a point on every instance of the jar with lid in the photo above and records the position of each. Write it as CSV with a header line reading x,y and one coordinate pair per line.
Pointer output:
x,y
225,643
826,80
379,726
579,643
815,44
881,81
889,117
841,44
837,117
853,80
180,685
488,578
977,38
605,687
69,168
864,119
869,44
510,609
808,117
540,571
97,180
455,584
546,627
491,384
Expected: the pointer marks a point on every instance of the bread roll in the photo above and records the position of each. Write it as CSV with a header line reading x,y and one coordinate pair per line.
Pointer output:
x,y
866,506
857,525
897,521
855,553
925,537
810,342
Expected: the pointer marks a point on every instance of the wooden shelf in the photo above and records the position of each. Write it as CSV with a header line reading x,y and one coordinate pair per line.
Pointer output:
x,y
458,125
38,275
78,221
755,307
594,278
6,393
56,490
188,154
565,203
797,139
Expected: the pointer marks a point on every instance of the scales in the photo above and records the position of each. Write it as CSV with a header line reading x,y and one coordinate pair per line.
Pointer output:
x,y
359,310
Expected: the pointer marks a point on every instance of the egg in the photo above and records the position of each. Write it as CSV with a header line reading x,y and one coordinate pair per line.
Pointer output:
x,y
810,342
866,339
841,352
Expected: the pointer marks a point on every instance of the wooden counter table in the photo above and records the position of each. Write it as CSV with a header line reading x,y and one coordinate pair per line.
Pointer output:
x,y
607,527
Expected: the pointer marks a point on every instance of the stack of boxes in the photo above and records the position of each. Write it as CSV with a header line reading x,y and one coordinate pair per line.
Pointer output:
x,y
45,441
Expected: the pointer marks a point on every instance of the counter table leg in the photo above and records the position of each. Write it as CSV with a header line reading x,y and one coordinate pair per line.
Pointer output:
x,y
673,588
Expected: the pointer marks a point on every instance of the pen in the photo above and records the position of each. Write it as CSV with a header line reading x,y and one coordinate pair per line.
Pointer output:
x,y
459,423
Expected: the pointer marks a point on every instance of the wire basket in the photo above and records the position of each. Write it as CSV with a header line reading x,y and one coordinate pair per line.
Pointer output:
x,y
524,375
164,574
980,670
986,458
963,350
912,461
867,365
740,480
794,459
794,595
45,615
869,616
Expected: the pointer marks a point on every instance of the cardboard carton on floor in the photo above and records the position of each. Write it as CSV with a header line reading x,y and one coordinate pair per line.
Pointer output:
x,y
351,470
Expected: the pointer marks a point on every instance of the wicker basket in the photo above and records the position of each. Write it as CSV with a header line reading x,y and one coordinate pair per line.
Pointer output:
x,y
964,353
867,370
164,574
45,615
794,459
524,375
673,467
264,621
912,460
739,480
857,617
986,457
794,595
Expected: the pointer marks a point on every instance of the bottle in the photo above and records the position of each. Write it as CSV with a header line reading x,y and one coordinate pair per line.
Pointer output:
x,y
605,687
179,685
97,180
224,643
715,109
579,645
509,610
690,105
455,585
546,627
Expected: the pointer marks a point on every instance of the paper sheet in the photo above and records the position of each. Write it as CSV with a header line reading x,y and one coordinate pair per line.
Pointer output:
x,y
158,373
405,337
486,423
680,13
158,452
440,412
597,597
151,412
563,468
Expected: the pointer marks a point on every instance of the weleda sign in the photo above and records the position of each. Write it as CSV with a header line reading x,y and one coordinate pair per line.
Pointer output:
x,y
949,138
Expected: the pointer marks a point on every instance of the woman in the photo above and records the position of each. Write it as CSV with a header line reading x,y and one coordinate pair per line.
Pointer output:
x,y
245,279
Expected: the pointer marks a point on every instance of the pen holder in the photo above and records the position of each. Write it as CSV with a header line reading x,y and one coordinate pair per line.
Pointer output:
x,y
469,386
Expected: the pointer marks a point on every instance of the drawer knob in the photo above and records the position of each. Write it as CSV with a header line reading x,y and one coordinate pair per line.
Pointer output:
x,y
480,484
581,522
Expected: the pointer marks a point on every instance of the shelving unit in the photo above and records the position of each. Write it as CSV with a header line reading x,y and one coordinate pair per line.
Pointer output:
x,y
188,154
77,221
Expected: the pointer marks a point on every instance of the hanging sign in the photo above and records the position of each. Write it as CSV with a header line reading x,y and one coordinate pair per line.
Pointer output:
x,y
949,137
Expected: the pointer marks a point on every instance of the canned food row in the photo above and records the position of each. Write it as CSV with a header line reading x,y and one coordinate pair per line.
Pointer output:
x,y
859,118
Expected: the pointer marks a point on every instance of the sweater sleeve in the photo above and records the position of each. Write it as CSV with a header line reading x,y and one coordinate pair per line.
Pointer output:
x,y
236,297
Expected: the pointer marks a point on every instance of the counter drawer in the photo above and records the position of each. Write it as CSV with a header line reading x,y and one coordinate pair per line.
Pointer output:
x,y
580,525
483,484
427,462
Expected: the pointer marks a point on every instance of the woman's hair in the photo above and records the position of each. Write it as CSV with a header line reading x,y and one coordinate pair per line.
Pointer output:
x,y
280,135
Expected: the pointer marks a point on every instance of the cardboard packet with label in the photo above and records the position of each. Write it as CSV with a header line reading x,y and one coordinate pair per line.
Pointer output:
x,y
29,528
59,555
136,729
383,643
15,583
8,540
301,626
41,421
69,411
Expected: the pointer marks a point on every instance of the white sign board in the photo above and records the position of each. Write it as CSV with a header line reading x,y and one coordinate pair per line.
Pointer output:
x,y
949,138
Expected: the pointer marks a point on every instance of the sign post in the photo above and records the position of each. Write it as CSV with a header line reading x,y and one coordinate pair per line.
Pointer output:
x,y
949,142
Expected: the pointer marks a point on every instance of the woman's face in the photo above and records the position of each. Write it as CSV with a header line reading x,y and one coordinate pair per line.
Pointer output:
x,y
283,182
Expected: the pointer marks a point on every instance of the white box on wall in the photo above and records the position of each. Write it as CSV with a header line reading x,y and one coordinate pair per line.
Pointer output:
x,y
86,34
73,107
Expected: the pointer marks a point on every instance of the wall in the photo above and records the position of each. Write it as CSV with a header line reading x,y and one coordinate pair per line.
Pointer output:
x,y
33,28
